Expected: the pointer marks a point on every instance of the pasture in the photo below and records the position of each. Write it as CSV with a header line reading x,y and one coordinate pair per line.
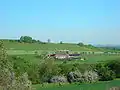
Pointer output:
x,y
90,59
49,47
94,86
27,51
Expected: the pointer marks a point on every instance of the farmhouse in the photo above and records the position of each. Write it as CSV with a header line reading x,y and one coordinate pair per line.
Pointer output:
x,y
65,56
61,56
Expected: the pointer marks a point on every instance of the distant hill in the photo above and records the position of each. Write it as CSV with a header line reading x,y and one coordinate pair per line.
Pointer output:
x,y
117,47
17,45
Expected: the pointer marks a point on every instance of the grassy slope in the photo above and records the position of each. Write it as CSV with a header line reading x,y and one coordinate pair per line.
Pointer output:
x,y
49,47
96,86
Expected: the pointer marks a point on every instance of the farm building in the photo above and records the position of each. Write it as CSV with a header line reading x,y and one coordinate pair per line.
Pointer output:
x,y
65,56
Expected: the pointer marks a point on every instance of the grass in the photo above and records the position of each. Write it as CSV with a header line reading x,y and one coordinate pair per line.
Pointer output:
x,y
94,86
48,47
90,59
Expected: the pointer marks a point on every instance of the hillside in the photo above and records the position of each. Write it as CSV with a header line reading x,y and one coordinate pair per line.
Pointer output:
x,y
52,47
48,46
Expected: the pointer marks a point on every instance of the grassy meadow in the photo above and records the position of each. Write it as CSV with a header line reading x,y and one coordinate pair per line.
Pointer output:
x,y
94,86
48,47
90,59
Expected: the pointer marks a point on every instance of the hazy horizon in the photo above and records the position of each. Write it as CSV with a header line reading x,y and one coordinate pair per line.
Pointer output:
x,y
87,21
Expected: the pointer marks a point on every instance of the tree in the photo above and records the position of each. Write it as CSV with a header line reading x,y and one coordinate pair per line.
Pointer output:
x,y
4,62
20,65
22,82
61,42
104,73
47,70
114,66
33,73
26,39
34,41
8,79
80,44
48,40
5,67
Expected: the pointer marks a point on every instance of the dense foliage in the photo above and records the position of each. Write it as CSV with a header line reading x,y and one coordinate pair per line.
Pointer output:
x,y
28,39
8,78
47,70
104,72
115,66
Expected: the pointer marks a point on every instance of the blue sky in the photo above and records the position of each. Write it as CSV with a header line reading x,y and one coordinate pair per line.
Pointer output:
x,y
88,21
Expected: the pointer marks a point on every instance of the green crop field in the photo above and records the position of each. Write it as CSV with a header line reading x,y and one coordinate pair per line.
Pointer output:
x,y
95,86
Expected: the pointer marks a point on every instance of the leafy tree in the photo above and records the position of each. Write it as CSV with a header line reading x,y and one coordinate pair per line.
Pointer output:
x,y
34,41
8,79
38,41
80,44
20,65
90,46
47,70
61,42
22,83
5,67
4,62
33,73
66,68
26,39
105,74
114,66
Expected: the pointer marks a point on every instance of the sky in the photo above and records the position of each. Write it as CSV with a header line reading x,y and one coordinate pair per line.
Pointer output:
x,y
87,21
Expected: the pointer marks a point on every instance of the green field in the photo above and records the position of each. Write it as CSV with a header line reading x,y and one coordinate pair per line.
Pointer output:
x,y
95,86
48,47
90,59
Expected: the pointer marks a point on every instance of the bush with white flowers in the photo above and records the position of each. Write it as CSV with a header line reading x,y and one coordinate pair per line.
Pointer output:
x,y
87,76
57,79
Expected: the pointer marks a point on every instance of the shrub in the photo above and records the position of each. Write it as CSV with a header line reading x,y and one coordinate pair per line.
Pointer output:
x,y
74,77
33,73
57,79
114,66
115,88
86,77
23,83
8,79
20,65
26,39
90,76
105,74
47,70
66,68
